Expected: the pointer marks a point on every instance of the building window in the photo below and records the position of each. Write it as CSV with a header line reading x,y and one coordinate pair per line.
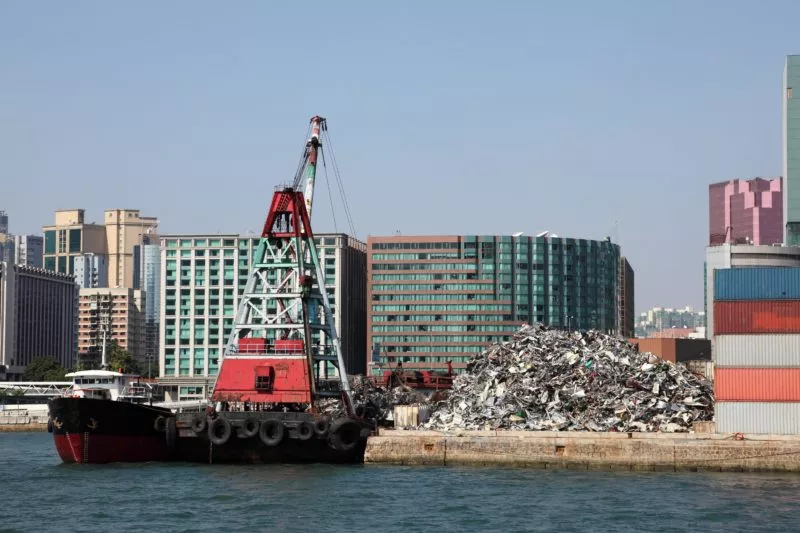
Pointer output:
x,y
74,240
50,242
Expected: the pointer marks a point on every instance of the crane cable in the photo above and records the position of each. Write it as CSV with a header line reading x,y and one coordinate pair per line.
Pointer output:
x,y
340,183
298,174
330,196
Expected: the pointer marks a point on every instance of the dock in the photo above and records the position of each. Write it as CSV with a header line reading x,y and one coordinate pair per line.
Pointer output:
x,y
588,451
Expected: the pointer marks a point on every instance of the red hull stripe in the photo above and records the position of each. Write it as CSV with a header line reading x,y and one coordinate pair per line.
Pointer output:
x,y
88,448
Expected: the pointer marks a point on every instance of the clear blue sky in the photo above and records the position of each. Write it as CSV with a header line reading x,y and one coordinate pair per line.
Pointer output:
x,y
466,117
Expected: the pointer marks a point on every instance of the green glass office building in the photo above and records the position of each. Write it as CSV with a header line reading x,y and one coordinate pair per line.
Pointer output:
x,y
791,152
440,299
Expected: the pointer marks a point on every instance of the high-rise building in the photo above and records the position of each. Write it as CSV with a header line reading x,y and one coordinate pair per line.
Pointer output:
x,y
91,270
202,278
791,152
147,276
746,211
125,229
38,317
70,237
3,221
627,313
7,252
120,313
440,299
28,250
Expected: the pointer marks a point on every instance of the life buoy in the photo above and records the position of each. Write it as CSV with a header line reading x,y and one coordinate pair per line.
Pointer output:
x,y
345,435
250,427
160,423
322,426
271,432
92,423
305,430
171,433
198,423
219,431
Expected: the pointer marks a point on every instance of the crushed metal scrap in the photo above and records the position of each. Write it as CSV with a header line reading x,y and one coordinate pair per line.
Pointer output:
x,y
372,401
547,379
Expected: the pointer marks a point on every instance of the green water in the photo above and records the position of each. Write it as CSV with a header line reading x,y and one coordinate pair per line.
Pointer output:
x,y
39,493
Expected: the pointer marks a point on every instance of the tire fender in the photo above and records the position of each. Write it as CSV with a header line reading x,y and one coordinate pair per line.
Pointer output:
x,y
345,435
305,430
199,423
171,433
271,432
160,423
219,431
322,426
250,427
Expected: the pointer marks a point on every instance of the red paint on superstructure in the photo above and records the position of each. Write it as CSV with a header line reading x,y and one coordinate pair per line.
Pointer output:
x,y
287,380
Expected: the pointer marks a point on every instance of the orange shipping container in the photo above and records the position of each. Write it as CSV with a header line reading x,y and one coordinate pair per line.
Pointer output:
x,y
757,384
765,316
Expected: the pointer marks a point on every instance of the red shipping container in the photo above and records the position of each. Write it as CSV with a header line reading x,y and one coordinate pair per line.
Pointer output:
x,y
253,345
757,384
765,316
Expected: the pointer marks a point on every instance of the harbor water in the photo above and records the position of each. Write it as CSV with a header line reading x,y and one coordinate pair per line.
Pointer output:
x,y
41,494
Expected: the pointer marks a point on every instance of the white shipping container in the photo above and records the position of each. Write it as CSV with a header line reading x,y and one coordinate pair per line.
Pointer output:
x,y
757,351
777,418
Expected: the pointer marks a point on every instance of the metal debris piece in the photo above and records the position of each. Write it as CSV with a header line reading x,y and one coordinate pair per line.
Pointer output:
x,y
547,379
376,403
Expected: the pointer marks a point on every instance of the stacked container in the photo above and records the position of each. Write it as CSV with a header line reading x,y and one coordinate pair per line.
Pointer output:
x,y
757,350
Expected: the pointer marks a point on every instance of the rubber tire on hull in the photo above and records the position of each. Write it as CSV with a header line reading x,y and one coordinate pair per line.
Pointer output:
x,y
49,425
250,427
345,435
199,423
171,433
160,424
322,426
219,431
305,431
271,432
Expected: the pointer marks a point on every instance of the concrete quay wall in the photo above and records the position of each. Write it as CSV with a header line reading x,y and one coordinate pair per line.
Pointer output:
x,y
588,451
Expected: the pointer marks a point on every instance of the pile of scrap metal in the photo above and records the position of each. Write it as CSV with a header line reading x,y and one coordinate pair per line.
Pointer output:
x,y
374,402
547,379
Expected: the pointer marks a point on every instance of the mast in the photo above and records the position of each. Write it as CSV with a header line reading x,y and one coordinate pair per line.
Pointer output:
x,y
103,360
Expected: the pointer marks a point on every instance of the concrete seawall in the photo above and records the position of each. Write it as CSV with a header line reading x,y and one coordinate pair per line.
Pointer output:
x,y
589,451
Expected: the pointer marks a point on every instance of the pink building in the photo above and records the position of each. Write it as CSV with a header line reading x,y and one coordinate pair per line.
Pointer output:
x,y
746,211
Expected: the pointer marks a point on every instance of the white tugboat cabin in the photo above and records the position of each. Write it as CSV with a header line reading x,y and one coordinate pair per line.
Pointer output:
x,y
107,385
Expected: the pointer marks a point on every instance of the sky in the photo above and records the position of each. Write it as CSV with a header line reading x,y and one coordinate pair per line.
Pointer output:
x,y
588,119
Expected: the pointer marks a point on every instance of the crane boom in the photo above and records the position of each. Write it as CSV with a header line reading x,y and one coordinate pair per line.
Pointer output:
x,y
312,151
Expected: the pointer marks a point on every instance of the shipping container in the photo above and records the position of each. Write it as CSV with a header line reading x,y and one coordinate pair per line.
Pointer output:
x,y
757,384
757,351
701,368
762,316
757,283
757,417
673,349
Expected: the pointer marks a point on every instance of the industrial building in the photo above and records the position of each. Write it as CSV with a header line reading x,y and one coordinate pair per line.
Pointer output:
x,y
435,300
119,313
38,317
746,212
202,278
